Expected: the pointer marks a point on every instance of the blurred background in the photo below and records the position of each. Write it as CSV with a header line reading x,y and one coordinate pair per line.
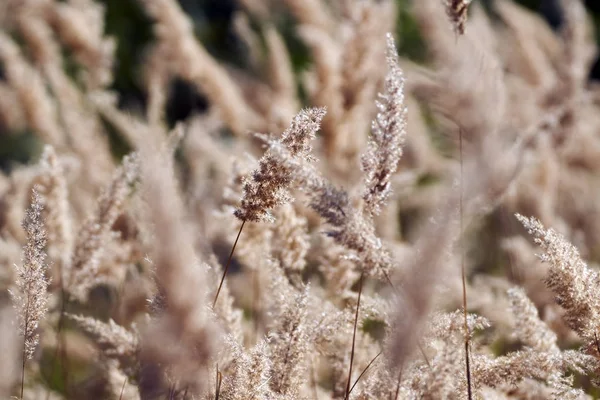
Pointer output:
x,y
550,98
214,25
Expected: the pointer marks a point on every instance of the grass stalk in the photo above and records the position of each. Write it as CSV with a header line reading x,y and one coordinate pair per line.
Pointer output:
x,y
463,270
219,379
360,287
364,371
398,384
255,302
24,360
123,389
25,341
228,264
60,339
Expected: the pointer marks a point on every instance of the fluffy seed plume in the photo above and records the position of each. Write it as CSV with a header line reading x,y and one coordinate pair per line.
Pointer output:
x,y
572,281
530,329
289,343
457,12
57,213
268,187
31,297
186,328
380,161
118,341
96,231
349,227
270,183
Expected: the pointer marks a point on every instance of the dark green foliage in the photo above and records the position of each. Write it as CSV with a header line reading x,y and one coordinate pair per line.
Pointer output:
x,y
18,148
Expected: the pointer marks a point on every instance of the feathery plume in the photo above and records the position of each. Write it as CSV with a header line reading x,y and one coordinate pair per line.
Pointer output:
x,y
290,242
289,345
281,75
572,281
12,117
39,109
457,12
118,343
351,228
30,297
96,231
530,329
312,12
380,161
80,25
424,272
119,384
270,183
230,316
362,70
248,374
515,367
53,187
186,326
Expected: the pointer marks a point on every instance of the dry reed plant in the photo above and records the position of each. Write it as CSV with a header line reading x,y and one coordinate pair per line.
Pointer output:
x,y
340,230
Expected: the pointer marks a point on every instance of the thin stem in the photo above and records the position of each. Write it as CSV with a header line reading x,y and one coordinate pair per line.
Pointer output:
x,y
423,353
398,384
313,379
360,287
389,281
219,379
255,301
228,263
364,371
23,369
463,271
60,342
25,340
123,389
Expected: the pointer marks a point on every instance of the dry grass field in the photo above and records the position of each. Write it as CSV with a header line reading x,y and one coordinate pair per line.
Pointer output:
x,y
337,219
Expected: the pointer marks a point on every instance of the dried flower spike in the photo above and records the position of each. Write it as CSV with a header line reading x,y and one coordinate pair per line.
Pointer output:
x,y
457,12
380,161
569,277
270,183
95,233
529,328
31,297
268,187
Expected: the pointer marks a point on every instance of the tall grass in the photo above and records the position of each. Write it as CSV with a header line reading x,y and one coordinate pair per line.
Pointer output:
x,y
338,229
